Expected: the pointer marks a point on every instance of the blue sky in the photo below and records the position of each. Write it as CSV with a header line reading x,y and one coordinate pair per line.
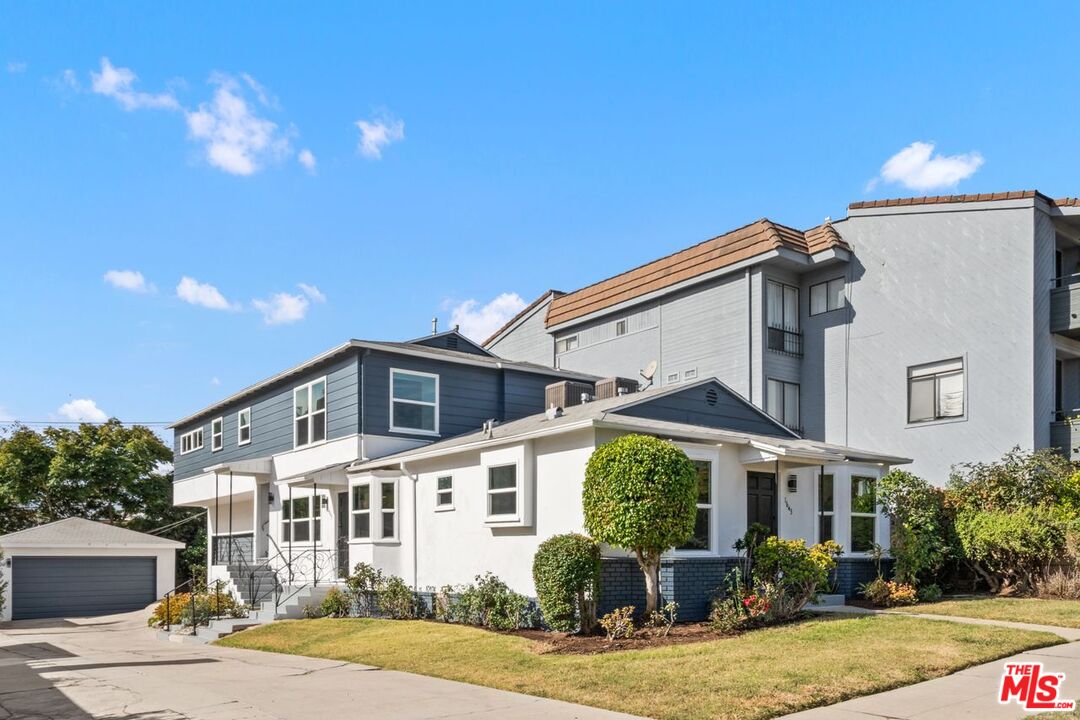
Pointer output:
x,y
503,150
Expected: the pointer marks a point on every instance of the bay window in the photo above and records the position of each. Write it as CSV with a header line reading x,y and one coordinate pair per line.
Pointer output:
x,y
388,508
863,513
361,511
414,402
825,508
309,413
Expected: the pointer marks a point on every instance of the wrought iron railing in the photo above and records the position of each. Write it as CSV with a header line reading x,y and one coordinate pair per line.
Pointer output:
x,y
229,549
785,340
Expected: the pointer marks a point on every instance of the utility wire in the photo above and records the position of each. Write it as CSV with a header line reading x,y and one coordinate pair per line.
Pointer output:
x,y
170,526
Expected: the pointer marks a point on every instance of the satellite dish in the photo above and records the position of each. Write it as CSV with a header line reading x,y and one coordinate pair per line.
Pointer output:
x,y
649,370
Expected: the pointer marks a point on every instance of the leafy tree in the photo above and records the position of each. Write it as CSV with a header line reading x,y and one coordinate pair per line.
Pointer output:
x,y
108,472
566,571
640,494
922,538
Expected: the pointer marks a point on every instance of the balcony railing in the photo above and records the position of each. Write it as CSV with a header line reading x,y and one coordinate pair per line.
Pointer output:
x,y
1065,305
785,340
1065,433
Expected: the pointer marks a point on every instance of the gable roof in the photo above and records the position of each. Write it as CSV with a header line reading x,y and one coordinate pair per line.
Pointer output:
x,y
716,253
550,294
401,348
606,413
450,340
79,533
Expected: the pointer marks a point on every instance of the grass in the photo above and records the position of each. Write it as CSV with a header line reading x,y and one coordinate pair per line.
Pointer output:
x,y
756,675
1062,613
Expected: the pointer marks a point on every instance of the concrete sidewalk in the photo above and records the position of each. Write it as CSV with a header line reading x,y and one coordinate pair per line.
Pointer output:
x,y
114,667
970,693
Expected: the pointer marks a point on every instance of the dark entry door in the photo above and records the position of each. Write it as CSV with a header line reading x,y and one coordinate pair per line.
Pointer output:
x,y
761,500
343,534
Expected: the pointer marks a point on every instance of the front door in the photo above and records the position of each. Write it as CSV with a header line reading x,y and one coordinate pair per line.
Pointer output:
x,y
343,534
761,500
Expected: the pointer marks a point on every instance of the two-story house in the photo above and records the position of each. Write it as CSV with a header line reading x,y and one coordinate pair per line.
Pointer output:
x,y
942,328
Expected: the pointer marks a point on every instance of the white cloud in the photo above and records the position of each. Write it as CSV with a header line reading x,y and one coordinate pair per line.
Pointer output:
x,y
478,322
917,168
312,292
131,280
237,140
377,134
307,159
282,308
215,381
16,67
82,410
206,295
118,83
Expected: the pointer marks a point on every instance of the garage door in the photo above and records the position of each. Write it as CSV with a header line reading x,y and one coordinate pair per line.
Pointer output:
x,y
44,587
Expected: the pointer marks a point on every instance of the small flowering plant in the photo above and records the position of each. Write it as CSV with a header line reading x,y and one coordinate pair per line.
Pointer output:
x,y
756,605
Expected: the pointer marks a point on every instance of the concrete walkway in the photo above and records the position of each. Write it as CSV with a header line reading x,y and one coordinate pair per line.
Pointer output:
x,y
1071,634
114,667
970,693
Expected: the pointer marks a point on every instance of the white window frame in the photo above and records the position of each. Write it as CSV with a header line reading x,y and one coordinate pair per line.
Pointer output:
x,y
517,490
394,427
821,513
690,374
830,296
190,438
566,344
787,292
383,511
784,386
852,514
353,512
621,327
311,413
240,425
217,437
672,378
928,371
440,492
313,520
712,461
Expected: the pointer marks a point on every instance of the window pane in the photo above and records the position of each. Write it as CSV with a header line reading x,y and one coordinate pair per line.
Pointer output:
x,y
862,533
862,495
414,387
774,400
388,524
825,531
217,426
700,541
446,483
704,480
774,297
300,402
791,404
415,417
318,427
920,399
501,478
302,431
300,508
286,533
318,396
951,395
362,525
245,418
836,293
361,497
445,497
301,532
818,299
825,493
388,495
502,503
245,434
791,308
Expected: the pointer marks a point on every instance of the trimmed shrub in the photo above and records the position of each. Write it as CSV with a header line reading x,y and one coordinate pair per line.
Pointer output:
x,y
929,593
1013,548
566,571
794,573
888,593
640,494
396,599
336,604
492,604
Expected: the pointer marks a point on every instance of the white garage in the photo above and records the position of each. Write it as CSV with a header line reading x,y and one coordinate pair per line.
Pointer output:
x,y
82,568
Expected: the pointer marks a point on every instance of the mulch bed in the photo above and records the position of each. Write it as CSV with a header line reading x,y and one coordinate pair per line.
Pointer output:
x,y
553,643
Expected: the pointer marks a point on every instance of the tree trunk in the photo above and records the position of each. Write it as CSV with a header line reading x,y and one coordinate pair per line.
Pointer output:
x,y
649,562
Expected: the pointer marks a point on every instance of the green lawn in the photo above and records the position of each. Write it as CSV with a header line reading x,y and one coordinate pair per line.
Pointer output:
x,y
1063,613
760,674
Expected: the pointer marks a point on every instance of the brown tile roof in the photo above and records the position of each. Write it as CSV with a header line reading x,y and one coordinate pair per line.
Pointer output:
x,y
938,199
1067,202
529,308
719,252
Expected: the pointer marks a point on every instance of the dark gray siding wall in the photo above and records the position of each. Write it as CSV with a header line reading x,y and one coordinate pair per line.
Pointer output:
x,y
730,412
271,419
468,395
452,341
524,393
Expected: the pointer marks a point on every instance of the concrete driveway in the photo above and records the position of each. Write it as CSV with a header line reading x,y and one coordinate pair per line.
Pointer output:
x,y
114,667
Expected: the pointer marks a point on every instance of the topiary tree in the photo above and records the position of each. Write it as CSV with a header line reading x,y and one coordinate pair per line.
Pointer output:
x,y
566,572
640,494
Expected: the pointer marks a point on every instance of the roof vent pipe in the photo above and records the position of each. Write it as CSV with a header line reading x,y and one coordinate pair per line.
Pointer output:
x,y
553,412
434,326
585,397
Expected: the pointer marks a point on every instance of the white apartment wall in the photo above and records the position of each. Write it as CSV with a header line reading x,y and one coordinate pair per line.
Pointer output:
x,y
929,284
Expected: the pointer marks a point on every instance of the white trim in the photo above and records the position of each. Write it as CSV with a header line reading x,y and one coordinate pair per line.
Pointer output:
x,y
217,439
375,481
310,412
438,492
395,509
353,512
852,514
240,426
517,490
192,447
712,457
436,405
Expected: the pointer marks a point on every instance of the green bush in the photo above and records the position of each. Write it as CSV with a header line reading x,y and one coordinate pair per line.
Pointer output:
x,y
1013,548
640,494
490,603
396,599
1018,480
619,624
336,604
922,538
929,593
566,572
794,571
888,593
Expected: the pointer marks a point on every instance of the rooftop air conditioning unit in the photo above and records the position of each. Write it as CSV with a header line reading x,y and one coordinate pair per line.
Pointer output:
x,y
615,386
566,393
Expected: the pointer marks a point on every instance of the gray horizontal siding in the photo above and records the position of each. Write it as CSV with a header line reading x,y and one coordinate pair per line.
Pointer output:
x,y
730,412
1065,308
524,394
272,420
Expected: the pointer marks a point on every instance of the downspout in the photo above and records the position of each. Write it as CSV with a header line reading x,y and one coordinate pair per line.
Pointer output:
x,y
415,553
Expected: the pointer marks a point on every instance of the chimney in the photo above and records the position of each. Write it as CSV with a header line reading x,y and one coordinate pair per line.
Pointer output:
x,y
566,393
615,387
